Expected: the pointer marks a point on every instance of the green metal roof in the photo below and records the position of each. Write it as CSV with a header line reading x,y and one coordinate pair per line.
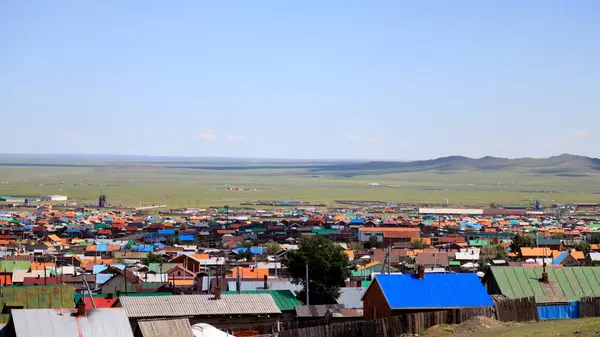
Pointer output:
x,y
361,273
478,243
325,231
565,283
364,284
284,299
9,266
454,263
38,297
156,268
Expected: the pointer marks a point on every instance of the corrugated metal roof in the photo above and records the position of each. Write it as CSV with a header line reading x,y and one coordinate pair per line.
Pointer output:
x,y
199,305
434,291
284,299
55,323
272,284
39,297
351,298
166,327
565,283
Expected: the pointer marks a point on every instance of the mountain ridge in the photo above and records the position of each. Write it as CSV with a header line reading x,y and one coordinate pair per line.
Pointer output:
x,y
564,164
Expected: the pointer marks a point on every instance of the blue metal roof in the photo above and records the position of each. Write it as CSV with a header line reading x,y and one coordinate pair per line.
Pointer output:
x,y
357,221
253,250
434,291
166,232
101,267
559,259
186,237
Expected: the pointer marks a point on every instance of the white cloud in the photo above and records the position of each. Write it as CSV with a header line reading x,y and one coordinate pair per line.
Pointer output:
x,y
374,140
69,134
208,135
237,137
350,136
580,133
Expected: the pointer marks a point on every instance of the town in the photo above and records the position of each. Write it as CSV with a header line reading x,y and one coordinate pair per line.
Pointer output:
x,y
235,270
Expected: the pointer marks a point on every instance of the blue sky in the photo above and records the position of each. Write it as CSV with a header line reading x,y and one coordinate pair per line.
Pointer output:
x,y
304,79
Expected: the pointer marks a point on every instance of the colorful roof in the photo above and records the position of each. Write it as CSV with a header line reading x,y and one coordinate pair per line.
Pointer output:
x,y
9,266
433,291
565,283
38,297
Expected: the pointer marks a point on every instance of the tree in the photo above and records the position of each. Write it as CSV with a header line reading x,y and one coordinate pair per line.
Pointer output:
x,y
594,239
328,269
355,246
247,253
580,246
373,242
156,258
522,241
273,247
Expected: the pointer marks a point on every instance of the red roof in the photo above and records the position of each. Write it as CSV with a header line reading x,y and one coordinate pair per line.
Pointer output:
x,y
34,281
101,302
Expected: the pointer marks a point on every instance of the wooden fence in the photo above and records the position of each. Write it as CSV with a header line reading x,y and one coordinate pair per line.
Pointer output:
x,y
516,309
589,307
414,323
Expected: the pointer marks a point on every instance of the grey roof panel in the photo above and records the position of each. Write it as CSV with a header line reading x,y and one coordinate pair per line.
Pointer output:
x,y
62,323
166,327
198,305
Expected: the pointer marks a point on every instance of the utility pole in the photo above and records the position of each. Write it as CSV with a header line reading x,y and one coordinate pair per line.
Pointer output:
x,y
307,297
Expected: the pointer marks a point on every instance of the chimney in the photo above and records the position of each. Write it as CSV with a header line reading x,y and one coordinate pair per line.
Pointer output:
x,y
218,292
118,293
239,281
421,272
81,308
544,278
266,286
109,296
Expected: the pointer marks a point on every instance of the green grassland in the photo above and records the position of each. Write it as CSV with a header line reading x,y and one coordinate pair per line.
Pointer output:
x,y
192,185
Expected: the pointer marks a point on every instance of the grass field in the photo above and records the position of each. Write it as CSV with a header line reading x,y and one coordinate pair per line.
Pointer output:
x,y
588,327
178,185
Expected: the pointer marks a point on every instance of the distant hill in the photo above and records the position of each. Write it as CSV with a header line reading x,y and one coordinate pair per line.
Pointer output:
x,y
565,165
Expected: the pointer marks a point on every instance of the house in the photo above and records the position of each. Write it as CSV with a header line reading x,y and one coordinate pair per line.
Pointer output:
x,y
434,259
593,259
226,311
390,295
123,281
527,281
566,259
285,300
62,323
388,234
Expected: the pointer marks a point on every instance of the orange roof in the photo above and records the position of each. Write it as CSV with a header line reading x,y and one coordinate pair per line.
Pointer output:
x,y
6,278
536,252
595,246
54,237
578,255
349,253
225,231
85,262
41,265
189,282
201,256
5,242
256,273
